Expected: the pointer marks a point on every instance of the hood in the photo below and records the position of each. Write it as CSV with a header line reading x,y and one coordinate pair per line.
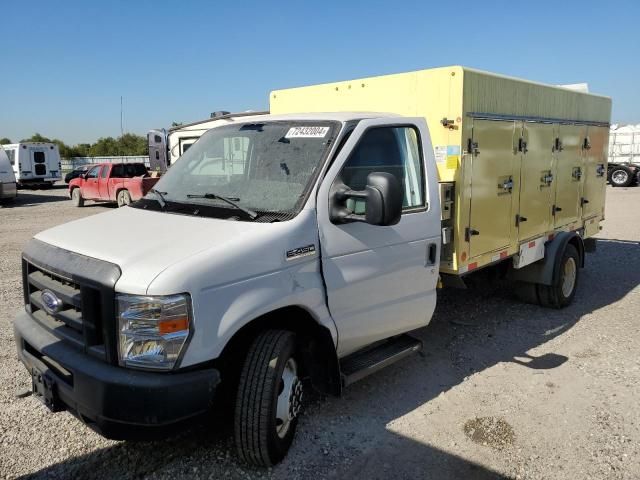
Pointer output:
x,y
144,243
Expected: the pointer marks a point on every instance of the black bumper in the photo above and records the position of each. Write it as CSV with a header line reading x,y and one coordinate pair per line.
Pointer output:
x,y
118,403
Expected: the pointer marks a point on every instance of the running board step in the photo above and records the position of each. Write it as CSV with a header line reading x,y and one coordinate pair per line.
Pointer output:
x,y
360,364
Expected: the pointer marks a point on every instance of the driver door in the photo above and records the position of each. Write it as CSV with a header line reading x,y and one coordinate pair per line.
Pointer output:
x,y
381,280
90,183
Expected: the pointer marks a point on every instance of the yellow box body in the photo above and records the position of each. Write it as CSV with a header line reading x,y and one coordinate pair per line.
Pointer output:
x,y
526,159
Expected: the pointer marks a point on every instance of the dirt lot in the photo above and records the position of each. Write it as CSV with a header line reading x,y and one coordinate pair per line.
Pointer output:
x,y
503,390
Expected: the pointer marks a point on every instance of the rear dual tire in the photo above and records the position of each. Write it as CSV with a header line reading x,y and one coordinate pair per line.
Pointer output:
x,y
564,284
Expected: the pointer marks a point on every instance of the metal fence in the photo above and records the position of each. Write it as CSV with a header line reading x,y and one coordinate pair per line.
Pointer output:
x,y
69,164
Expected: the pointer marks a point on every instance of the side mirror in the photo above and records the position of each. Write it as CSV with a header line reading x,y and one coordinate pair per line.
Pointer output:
x,y
382,198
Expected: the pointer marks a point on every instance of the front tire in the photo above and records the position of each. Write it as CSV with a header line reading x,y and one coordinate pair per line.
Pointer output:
x,y
269,399
560,294
76,197
124,198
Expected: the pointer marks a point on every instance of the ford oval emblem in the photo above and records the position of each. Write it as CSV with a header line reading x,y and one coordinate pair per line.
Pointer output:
x,y
50,301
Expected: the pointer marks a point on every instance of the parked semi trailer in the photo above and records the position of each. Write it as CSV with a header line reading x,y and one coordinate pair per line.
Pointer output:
x,y
296,250
624,155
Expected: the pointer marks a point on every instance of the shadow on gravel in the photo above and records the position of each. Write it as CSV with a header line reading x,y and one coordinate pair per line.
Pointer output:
x,y
34,198
348,437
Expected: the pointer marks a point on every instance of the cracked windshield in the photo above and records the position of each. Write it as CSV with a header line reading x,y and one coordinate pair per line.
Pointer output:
x,y
257,166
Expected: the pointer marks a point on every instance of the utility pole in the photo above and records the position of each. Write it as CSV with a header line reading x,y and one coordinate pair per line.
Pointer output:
x,y
121,118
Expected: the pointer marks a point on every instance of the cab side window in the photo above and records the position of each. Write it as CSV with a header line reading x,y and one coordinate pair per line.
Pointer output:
x,y
93,173
393,150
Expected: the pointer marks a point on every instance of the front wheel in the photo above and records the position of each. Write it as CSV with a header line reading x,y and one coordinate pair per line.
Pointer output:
x,y
124,198
76,197
269,399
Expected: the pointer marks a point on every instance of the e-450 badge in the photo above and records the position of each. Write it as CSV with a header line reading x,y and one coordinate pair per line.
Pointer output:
x,y
299,252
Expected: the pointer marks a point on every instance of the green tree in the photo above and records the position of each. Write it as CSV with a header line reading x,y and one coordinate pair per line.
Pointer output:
x,y
105,146
5,141
36,137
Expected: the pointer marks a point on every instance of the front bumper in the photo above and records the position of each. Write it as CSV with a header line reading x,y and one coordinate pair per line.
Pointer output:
x,y
118,403
8,190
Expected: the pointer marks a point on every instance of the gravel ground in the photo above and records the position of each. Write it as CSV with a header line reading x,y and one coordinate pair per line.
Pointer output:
x,y
503,389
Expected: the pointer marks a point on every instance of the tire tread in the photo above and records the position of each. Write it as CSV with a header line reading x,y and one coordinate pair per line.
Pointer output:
x,y
253,403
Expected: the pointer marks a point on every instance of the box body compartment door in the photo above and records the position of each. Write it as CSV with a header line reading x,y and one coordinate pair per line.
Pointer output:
x,y
492,186
595,151
568,174
536,180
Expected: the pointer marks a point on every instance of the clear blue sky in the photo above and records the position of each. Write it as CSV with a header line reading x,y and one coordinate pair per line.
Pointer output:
x,y
66,64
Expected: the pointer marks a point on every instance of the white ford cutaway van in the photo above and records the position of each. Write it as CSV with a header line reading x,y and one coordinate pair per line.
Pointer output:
x,y
35,163
8,188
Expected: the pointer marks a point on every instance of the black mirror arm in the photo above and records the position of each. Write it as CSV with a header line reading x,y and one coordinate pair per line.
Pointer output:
x,y
342,214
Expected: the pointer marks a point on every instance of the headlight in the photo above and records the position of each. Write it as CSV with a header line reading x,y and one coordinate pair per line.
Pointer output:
x,y
152,330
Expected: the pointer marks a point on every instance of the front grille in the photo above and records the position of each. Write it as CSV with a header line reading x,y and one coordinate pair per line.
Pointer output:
x,y
77,320
40,169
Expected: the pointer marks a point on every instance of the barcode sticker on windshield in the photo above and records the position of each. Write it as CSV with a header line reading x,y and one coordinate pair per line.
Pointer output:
x,y
307,132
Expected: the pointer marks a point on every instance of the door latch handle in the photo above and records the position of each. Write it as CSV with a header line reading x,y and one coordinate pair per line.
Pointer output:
x,y
470,232
507,185
520,219
555,209
577,173
433,252
583,201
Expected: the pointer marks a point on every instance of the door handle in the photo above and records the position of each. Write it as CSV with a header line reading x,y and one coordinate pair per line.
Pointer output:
x,y
583,201
470,232
555,209
520,219
433,251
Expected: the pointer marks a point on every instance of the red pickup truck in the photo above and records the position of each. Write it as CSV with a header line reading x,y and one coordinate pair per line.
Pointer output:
x,y
112,182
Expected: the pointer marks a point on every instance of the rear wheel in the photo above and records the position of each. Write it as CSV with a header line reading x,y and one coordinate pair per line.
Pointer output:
x,y
565,281
76,197
269,399
124,198
621,177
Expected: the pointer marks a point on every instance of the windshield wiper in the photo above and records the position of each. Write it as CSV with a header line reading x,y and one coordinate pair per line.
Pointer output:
x,y
213,196
161,200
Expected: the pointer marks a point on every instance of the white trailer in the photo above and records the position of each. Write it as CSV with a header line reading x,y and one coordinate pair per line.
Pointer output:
x,y
624,155
35,163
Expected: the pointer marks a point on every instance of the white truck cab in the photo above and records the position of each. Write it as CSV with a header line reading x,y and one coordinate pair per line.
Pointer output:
x,y
274,249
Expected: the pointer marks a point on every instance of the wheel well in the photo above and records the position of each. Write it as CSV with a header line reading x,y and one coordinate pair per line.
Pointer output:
x,y
577,242
315,343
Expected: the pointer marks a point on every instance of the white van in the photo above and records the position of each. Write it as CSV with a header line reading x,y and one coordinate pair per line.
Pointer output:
x,y
8,188
35,163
